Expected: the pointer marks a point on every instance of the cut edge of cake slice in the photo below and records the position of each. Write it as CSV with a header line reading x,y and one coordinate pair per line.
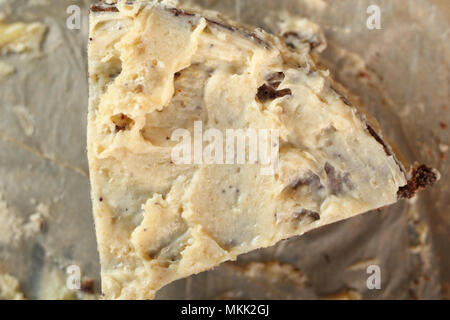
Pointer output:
x,y
154,69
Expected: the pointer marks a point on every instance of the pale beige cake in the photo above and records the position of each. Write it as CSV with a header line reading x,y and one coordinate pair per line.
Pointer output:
x,y
155,69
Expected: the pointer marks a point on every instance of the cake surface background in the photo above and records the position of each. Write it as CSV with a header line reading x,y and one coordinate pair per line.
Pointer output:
x,y
48,165
154,69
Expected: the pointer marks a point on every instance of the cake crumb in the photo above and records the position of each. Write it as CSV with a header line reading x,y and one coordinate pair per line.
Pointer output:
x,y
20,37
25,119
6,70
10,288
348,294
273,271
362,264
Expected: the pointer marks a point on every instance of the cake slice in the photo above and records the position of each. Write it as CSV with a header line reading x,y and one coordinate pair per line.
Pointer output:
x,y
163,210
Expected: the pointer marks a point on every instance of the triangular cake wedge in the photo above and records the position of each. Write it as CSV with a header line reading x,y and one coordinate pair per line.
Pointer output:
x,y
155,69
